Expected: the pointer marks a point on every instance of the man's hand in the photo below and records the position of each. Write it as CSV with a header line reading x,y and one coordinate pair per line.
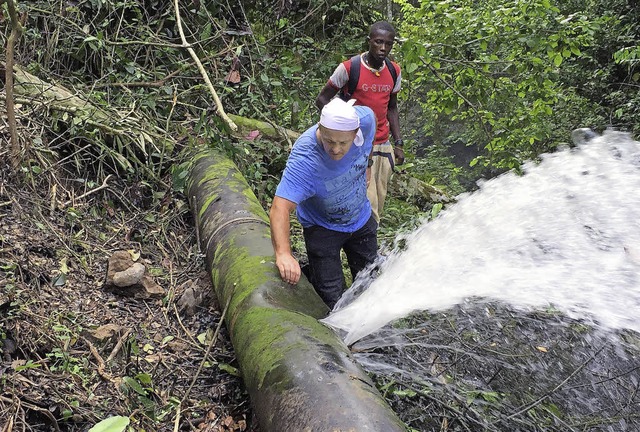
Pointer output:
x,y
368,174
279,218
398,152
289,268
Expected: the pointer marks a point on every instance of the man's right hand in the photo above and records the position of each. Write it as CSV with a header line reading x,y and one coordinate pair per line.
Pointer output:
x,y
287,265
289,268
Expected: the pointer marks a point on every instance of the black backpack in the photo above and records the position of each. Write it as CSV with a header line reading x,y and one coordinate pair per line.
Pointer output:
x,y
354,76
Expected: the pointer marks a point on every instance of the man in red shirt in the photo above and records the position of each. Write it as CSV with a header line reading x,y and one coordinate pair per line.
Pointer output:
x,y
377,90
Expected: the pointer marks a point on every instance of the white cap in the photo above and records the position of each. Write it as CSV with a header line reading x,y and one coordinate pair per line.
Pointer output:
x,y
340,115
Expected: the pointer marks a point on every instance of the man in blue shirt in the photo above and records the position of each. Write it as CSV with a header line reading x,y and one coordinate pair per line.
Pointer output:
x,y
325,180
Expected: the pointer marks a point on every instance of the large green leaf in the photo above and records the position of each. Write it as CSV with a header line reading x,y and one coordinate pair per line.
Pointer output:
x,y
111,424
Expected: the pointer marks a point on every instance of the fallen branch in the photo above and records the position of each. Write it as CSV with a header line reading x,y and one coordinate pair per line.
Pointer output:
x,y
194,56
247,125
415,191
99,361
43,411
541,399
157,83
92,191
118,346
130,126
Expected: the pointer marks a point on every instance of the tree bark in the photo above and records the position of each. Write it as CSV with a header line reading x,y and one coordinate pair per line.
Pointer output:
x,y
16,30
247,125
415,191
300,376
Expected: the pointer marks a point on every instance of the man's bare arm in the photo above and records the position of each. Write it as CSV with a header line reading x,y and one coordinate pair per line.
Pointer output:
x,y
393,117
326,94
279,219
394,127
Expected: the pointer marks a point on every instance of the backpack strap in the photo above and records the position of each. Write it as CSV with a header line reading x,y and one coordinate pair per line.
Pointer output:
x,y
392,71
354,76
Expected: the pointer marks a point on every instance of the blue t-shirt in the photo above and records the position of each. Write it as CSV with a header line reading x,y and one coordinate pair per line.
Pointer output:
x,y
332,194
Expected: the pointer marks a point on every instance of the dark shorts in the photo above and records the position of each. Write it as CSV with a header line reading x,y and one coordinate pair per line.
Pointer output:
x,y
325,266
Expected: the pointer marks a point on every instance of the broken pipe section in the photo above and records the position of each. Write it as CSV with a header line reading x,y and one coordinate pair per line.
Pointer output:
x,y
300,376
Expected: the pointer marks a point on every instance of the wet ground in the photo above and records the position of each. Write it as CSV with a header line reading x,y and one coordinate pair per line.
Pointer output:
x,y
487,367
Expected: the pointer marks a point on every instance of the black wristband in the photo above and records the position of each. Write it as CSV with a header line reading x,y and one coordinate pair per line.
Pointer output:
x,y
399,143
370,163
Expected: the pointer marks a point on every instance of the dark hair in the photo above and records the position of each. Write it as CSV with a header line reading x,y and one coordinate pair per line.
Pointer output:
x,y
381,25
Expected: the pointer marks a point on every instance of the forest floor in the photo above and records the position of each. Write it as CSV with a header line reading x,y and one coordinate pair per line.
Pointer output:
x,y
73,353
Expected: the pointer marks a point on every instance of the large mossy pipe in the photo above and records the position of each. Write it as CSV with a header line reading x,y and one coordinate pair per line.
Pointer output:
x,y
300,376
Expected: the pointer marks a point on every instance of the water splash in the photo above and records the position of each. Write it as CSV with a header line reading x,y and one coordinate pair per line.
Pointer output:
x,y
566,234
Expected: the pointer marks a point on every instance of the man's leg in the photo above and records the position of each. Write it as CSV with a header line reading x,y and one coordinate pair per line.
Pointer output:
x,y
362,247
323,250
383,163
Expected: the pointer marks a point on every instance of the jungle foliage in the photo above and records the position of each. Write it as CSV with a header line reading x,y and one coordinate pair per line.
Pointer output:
x,y
507,79
501,81
514,78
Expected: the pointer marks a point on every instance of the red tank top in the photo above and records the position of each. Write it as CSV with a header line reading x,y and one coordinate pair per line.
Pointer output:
x,y
374,90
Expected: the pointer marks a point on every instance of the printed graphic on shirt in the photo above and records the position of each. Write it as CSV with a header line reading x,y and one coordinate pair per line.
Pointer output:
x,y
345,193
374,89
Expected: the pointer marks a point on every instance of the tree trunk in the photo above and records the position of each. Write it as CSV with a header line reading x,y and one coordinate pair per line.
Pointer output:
x,y
247,125
129,126
415,191
300,376
16,30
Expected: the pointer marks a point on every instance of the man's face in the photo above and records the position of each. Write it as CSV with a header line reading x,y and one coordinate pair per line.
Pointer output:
x,y
336,143
380,44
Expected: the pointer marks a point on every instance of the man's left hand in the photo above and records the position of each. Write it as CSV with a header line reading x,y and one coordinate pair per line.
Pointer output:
x,y
398,152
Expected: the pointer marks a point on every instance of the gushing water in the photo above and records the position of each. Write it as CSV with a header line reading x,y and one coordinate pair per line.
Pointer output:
x,y
565,234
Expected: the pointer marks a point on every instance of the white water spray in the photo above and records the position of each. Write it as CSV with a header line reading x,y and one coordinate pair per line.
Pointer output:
x,y
565,234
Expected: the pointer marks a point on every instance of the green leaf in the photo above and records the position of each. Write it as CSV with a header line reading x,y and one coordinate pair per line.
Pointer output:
x,y
229,369
135,386
410,67
112,424
28,365
553,409
435,210
144,378
557,60
404,393
202,338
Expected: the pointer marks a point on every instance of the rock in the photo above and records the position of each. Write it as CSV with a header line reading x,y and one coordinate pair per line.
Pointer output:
x,y
193,296
582,136
151,287
129,278
106,331
7,348
188,302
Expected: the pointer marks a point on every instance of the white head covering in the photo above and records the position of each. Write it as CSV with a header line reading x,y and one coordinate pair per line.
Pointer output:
x,y
340,115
